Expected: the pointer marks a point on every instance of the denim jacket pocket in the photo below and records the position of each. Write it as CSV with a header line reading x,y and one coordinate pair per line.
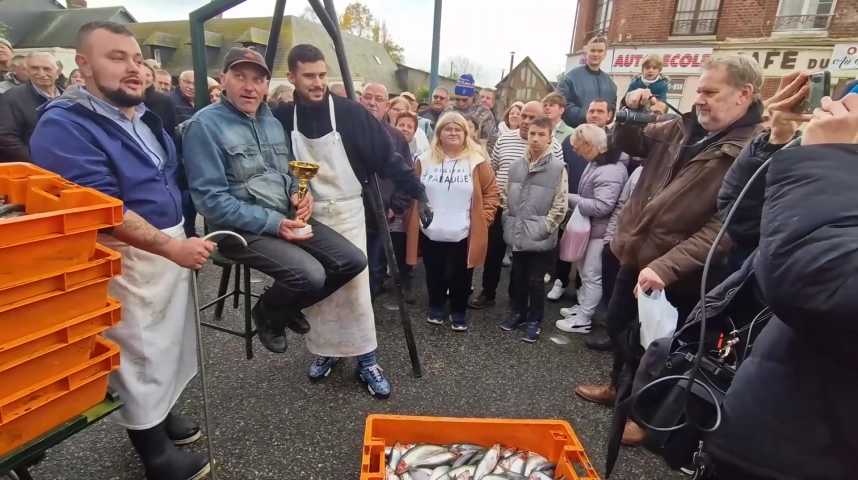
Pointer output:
x,y
245,161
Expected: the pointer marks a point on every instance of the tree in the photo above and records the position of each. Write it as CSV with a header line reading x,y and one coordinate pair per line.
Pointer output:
x,y
4,30
457,65
358,20
310,14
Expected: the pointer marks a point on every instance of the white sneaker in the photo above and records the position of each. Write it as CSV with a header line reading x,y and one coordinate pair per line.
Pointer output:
x,y
557,291
567,312
573,325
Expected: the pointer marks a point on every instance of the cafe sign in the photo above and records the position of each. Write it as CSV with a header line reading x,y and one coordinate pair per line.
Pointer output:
x,y
844,59
780,62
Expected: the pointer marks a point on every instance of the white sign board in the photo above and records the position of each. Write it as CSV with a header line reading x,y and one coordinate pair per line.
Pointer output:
x,y
844,58
677,61
779,62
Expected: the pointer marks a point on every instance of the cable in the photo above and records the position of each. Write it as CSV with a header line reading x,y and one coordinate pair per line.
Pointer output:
x,y
764,313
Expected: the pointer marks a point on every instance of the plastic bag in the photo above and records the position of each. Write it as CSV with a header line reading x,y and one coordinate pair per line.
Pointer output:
x,y
573,243
657,317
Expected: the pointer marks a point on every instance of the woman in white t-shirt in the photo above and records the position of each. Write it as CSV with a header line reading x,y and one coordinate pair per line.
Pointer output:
x,y
461,188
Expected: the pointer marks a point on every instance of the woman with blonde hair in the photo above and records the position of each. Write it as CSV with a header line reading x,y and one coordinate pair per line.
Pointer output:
x,y
461,188
511,118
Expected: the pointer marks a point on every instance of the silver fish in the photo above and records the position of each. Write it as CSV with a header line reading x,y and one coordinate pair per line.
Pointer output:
x,y
539,476
464,472
534,462
465,458
436,460
396,453
440,472
411,458
421,474
515,463
488,463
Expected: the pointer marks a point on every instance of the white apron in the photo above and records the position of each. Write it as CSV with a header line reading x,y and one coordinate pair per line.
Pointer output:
x,y
156,335
342,325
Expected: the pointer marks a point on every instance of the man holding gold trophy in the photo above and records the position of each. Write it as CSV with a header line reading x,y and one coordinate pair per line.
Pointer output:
x,y
238,166
349,144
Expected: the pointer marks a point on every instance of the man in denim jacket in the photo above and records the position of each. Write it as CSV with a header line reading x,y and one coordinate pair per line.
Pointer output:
x,y
237,161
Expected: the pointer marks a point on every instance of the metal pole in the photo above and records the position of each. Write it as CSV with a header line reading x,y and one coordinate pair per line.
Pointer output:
x,y
274,34
436,47
198,19
511,60
327,18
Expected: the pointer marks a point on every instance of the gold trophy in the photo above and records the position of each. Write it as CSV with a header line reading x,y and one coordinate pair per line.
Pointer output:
x,y
304,172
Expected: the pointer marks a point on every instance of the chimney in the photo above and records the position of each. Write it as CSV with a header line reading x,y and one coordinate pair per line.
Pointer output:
x,y
76,3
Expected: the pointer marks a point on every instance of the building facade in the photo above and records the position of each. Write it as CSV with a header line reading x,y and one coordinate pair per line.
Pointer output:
x,y
783,35
524,83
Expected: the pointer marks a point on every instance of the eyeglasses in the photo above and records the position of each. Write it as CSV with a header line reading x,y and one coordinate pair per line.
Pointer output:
x,y
438,97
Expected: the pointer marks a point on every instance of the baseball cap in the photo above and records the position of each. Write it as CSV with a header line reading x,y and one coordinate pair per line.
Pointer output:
x,y
237,55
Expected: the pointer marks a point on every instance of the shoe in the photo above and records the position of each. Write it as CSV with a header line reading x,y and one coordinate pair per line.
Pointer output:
x,y
567,312
482,301
517,320
633,434
272,337
600,342
297,322
532,334
321,368
162,460
459,322
437,316
373,377
556,291
600,394
182,430
573,325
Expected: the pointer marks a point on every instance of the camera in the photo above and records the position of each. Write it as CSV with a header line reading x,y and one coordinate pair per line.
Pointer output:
x,y
625,115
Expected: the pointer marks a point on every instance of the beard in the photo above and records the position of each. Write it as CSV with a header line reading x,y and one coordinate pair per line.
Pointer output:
x,y
118,96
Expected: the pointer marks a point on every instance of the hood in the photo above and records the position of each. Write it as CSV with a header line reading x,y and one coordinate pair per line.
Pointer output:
x,y
69,98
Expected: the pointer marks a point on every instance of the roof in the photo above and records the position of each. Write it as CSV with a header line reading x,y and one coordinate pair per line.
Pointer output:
x,y
527,62
368,61
58,28
444,77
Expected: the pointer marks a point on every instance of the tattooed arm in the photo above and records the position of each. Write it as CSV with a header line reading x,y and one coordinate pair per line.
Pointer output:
x,y
137,232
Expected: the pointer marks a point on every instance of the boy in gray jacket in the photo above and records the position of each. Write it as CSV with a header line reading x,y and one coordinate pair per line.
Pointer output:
x,y
534,204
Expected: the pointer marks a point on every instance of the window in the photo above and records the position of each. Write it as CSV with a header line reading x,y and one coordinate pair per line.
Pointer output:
x,y
696,17
804,15
602,20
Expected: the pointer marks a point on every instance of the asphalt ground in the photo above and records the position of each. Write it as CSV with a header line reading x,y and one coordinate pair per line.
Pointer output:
x,y
270,422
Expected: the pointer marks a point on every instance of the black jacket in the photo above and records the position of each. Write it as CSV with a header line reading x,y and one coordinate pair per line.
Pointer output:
x,y
18,117
162,106
791,410
366,141
183,108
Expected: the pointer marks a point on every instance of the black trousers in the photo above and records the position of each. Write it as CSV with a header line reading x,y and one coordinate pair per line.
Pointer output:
x,y
623,314
304,272
447,270
528,294
610,268
562,271
494,257
399,246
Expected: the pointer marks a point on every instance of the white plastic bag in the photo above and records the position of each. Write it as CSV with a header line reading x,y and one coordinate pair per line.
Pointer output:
x,y
657,316
573,243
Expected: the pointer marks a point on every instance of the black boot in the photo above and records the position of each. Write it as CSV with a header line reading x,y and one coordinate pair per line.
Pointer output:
x,y
272,333
181,430
598,340
162,460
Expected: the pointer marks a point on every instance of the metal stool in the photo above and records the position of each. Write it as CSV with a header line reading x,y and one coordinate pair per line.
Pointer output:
x,y
241,288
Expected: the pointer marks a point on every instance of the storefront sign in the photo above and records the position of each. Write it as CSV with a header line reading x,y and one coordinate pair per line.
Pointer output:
x,y
676,86
780,62
676,60
844,58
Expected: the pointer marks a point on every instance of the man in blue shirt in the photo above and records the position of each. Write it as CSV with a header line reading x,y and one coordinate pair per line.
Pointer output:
x,y
237,161
102,136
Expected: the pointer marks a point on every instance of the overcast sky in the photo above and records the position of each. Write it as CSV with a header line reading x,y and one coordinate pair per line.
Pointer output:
x,y
483,30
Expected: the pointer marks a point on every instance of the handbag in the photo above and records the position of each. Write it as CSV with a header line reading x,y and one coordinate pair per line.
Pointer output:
x,y
573,243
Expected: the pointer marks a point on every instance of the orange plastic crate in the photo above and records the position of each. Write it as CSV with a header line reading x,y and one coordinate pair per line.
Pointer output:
x,y
25,348
553,439
29,413
60,226
104,263
45,312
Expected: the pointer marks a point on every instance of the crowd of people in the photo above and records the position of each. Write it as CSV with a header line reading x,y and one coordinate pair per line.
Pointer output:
x,y
463,190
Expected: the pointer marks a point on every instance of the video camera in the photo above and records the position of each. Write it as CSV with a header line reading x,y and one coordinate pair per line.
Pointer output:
x,y
641,117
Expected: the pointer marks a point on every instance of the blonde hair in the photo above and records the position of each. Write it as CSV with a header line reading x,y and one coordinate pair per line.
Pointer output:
x,y
473,150
654,60
593,135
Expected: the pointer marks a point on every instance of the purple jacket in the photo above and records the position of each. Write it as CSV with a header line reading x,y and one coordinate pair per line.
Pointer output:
x,y
89,149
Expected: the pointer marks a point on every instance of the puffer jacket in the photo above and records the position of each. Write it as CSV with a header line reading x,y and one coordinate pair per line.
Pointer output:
x,y
791,410
671,219
598,193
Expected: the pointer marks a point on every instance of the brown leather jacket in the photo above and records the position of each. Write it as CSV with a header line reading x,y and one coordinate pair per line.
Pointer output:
x,y
671,219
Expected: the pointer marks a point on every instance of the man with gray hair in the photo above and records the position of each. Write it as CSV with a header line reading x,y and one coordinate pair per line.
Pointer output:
x,y
19,105
183,96
17,75
670,221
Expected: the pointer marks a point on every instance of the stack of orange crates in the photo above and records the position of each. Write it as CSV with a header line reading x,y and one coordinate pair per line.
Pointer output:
x,y
53,302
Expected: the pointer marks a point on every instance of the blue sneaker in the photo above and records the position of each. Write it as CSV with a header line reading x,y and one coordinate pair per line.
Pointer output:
x,y
532,334
459,322
321,367
513,322
373,377
437,315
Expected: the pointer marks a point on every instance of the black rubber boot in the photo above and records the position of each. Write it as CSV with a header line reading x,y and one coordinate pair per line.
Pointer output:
x,y
163,460
272,335
182,430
